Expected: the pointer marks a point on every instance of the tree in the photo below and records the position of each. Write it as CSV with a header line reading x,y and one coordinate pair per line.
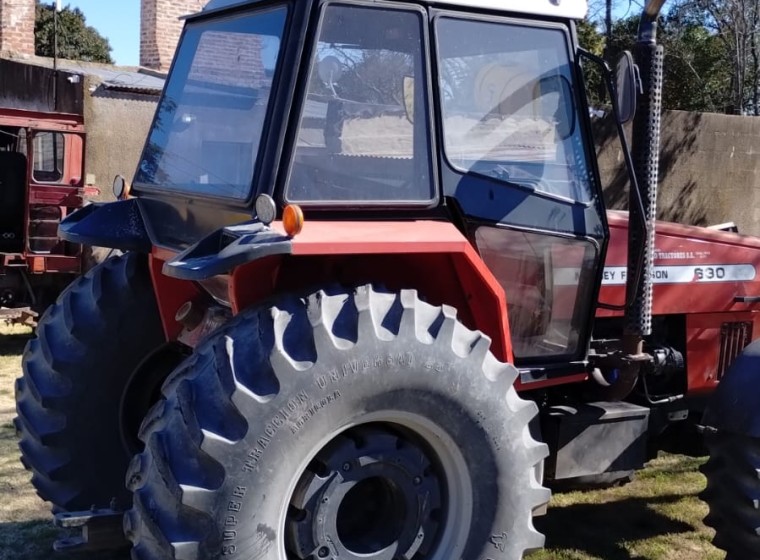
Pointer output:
x,y
590,39
697,64
76,40
696,75
735,23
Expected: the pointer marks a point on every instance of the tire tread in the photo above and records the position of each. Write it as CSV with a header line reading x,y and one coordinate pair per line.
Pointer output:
x,y
185,428
733,494
83,327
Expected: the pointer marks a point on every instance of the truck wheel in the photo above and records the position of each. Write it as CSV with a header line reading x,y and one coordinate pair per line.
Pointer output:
x,y
75,372
346,425
733,494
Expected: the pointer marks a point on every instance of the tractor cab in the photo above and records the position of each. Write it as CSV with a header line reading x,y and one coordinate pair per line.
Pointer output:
x,y
394,111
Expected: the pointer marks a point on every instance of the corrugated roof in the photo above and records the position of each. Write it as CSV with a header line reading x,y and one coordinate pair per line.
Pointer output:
x,y
119,78
133,79
134,82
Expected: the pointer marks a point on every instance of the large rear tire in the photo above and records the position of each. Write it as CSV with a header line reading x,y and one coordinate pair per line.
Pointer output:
x,y
75,372
733,494
350,425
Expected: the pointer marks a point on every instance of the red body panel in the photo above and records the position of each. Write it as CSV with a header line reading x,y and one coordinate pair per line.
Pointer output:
x,y
433,257
170,294
698,273
61,122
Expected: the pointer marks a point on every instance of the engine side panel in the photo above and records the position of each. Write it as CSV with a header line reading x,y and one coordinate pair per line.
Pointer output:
x,y
697,270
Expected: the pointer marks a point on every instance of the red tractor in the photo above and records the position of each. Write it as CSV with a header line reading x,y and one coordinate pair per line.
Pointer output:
x,y
41,182
370,299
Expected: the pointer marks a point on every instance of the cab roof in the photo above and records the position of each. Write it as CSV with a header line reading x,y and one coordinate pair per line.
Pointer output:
x,y
573,9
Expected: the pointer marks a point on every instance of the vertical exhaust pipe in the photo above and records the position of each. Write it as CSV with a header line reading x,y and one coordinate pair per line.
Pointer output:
x,y
642,210
646,155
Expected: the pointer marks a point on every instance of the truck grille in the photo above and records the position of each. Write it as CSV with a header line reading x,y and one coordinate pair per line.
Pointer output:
x,y
733,339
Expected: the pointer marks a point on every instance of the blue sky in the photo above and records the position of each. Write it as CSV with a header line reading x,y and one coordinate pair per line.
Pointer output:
x,y
119,21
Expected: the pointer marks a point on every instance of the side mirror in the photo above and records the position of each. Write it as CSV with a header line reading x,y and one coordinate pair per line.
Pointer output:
x,y
330,71
626,87
120,188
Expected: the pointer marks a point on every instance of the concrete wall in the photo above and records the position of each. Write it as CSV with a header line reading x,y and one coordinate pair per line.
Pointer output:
x,y
709,170
117,124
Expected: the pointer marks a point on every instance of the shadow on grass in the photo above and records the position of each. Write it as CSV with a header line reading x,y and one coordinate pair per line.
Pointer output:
x,y
33,540
12,344
601,530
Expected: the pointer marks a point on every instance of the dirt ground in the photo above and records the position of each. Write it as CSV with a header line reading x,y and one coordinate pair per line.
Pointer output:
x,y
657,517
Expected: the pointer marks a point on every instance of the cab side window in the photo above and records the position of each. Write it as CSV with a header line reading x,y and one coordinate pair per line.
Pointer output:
x,y
48,157
508,106
363,133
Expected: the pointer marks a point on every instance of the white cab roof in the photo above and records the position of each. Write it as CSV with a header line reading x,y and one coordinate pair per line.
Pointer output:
x,y
575,9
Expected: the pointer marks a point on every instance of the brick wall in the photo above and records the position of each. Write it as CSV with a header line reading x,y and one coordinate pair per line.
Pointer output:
x,y
17,27
232,59
160,28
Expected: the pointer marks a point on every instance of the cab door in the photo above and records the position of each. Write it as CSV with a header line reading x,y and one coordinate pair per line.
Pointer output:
x,y
516,161
56,188
13,166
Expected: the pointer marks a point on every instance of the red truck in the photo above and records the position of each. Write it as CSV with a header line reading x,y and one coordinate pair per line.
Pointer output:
x,y
41,182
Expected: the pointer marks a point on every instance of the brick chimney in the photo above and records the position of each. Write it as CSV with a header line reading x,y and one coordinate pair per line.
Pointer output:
x,y
160,28
17,27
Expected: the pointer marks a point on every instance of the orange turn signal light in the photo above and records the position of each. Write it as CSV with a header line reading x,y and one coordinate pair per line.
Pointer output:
x,y
292,219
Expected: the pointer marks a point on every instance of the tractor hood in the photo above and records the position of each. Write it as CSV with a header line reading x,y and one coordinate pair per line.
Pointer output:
x,y
696,269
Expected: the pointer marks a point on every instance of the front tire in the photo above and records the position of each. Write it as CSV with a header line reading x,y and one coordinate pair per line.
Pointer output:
x,y
733,493
75,372
351,425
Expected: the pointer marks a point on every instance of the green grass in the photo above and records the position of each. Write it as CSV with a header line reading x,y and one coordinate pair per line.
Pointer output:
x,y
656,517
26,530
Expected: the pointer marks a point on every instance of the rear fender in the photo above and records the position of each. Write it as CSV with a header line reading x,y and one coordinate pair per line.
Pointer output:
x,y
431,257
116,225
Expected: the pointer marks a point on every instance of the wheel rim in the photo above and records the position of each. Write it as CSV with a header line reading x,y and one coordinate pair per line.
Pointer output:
x,y
381,490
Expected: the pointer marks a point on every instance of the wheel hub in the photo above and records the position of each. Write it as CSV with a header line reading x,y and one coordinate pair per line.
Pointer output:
x,y
142,391
372,494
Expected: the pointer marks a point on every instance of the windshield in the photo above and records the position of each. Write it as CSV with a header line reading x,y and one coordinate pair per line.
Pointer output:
x,y
208,127
508,105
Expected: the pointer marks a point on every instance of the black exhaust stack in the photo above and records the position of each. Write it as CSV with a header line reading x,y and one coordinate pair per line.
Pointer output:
x,y
642,210
646,160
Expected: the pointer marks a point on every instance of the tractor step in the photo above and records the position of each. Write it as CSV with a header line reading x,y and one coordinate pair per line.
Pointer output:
x,y
101,529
